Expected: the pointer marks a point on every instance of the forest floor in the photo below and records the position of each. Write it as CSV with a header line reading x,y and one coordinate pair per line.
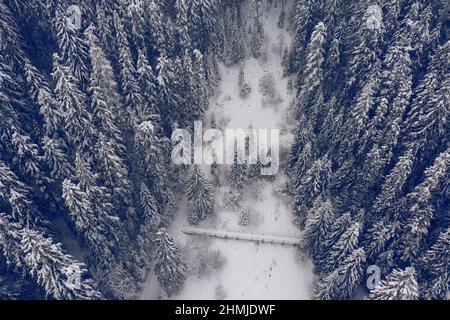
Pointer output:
x,y
231,269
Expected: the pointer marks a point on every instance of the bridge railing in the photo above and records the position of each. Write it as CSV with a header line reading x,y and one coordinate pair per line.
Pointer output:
x,y
263,238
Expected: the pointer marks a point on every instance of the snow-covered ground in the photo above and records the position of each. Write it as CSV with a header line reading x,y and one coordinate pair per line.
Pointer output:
x,y
231,269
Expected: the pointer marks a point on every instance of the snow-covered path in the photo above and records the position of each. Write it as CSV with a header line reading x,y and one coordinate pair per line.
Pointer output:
x,y
235,269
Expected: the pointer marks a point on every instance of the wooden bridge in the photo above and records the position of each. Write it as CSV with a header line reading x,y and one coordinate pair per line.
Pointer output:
x,y
259,238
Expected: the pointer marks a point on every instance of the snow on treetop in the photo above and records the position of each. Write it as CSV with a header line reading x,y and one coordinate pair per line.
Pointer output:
x,y
146,126
374,17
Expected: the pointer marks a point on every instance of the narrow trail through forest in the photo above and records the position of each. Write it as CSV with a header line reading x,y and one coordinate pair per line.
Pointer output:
x,y
235,269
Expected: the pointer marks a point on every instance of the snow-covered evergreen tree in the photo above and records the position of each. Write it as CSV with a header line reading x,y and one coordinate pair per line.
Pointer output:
x,y
202,23
256,38
435,264
73,52
56,272
149,85
399,285
170,267
128,77
345,245
342,283
238,174
234,48
312,184
319,224
78,126
199,195
168,82
309,81
303,25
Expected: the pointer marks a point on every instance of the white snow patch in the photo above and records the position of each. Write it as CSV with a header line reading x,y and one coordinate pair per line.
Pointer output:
x,y
374,17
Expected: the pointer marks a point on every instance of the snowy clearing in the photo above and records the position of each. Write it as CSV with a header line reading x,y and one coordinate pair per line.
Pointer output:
x,y
236,269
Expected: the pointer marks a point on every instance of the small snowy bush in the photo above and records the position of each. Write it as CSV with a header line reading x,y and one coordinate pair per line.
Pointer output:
x,y
220,293
245,91
244,88
208,262
267,88
244,217
232,199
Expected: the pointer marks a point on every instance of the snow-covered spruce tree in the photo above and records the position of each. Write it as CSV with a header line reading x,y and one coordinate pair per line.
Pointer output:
x,y
29,250
358,117
256,38
366,53
244,217
152,214
281,23
182,25
42,95
344,246
379,236
399,285
192,76
148,84
392,9
114,173
202,23
342,283
303,135
154,163
244,88
303,162
91,210
238,174
340,226
319,225
234,48
129,84
56,157
17,198
171,106
149,151
333,13
26,154
395,97
106,103
77,119
160,28
170,267
215,172
199,195
17,145
136,17
304,22
73,52
200,86
285,64
310,79
422,205
434,268
314,183
104,16
43,260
